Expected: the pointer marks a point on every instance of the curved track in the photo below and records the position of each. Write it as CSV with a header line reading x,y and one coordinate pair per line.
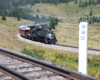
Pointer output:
x,y
34,69
59,47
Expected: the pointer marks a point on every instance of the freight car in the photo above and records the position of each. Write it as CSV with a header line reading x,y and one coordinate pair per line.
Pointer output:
x,y
37,33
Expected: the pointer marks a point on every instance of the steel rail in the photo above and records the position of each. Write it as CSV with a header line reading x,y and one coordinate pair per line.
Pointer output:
x,y
61,71
76,47
14,73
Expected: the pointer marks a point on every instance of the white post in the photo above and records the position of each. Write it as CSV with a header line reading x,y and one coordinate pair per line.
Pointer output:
x,y
83,42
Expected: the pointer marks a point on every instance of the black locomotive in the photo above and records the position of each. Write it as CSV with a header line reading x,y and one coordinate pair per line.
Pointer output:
x,y
42,35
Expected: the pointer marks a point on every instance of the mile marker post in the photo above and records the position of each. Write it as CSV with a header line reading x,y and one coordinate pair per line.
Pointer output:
x,y
83,42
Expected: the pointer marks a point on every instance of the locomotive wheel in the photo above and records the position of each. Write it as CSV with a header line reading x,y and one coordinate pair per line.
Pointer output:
x,y
46,41
25,37
52,42
32,38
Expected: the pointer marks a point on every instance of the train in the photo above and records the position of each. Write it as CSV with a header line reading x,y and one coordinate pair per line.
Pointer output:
x,y
37,32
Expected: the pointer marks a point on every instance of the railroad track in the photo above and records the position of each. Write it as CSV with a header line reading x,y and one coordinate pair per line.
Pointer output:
x,y
8,74
75,47
33,69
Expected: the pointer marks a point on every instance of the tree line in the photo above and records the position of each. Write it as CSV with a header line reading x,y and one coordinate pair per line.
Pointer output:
x,y
90,19
86,3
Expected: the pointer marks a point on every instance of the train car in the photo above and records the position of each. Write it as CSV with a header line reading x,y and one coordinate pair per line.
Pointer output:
x,y
38,33
25,28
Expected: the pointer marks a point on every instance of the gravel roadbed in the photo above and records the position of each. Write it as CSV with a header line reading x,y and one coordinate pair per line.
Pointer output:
x,y
57,47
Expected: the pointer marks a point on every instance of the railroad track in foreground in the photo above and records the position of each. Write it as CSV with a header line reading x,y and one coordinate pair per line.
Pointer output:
x,y
33,69
8,74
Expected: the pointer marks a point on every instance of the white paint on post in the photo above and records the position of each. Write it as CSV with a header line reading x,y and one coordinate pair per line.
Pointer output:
x,y
83,42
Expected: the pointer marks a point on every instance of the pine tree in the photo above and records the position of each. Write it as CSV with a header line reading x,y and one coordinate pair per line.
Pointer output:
x,y
3,17
80,18
75,1
80,3
87,18
89,2
86,4
67,3
18,18
98,1
37,10
37,16
90,13
99,19
93,19
93,2
89,21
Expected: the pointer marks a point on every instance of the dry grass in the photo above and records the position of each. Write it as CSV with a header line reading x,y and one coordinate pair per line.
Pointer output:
x,y
68,34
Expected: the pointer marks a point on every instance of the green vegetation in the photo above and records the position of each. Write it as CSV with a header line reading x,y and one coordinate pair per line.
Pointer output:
x,y
65,60
53,22
18,18
3,17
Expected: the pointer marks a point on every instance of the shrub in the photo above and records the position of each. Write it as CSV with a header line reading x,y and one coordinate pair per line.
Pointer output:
x,y
62,55
56,55
95,63
96,76
37,10
3,17
18,18
92,73
34,53
89,59
41,50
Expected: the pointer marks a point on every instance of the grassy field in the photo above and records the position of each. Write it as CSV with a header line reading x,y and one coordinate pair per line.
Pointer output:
x,y
68,35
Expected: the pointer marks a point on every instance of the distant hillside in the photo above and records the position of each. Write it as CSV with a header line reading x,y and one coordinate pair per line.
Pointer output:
x,y
70,9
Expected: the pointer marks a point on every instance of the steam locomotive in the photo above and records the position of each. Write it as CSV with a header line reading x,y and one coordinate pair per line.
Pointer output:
x,y
38,33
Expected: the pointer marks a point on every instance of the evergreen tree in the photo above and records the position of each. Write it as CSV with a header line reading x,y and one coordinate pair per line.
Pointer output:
x,y
89,2
75,1
93,19
98,1
37,17
80,3
86,4
89,21
97,20
80,18
18,18
93,2
37,10
3,17
87,18
67,3
77,11
90,13
53,22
